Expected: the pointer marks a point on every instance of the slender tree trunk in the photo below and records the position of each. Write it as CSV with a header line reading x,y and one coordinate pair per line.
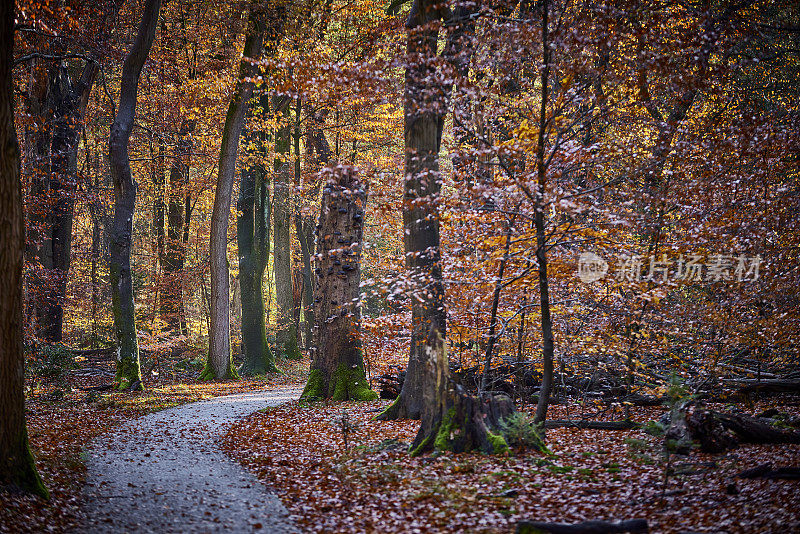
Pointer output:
x,y
318,154
252,235
450,419
128,370
17,468
175,249
286,336
68,103
498,288
541,237
219,363
337,358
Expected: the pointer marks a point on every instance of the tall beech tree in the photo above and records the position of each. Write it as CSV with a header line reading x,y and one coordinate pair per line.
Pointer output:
x,y
129,374
17,468
252,236
286,335
219,364
337,365
450,419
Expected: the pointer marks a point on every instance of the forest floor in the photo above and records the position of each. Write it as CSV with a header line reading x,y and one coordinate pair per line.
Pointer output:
x,y
63,421
374,486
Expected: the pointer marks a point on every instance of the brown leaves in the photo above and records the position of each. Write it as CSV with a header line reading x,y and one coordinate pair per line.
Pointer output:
x,y
376,486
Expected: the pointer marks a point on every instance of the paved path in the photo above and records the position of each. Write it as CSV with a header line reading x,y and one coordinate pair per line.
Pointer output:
x,y
165,473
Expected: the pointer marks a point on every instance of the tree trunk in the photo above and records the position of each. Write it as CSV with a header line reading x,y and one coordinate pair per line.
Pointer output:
x,y
252,234
128,370
286,335
17,468
427,370
175,247
318,154
541,237
67,104
337,359
219,364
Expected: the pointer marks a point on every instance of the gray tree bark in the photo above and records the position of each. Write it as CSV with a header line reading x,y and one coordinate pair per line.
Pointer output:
x,y
219,364
128,370
424,118
286,335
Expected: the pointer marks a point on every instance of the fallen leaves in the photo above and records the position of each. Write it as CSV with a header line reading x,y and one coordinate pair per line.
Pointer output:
x,y
375,486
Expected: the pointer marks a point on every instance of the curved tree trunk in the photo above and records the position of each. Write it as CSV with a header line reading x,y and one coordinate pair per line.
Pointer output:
x,y
337,365
252,235
17,469
219,364
129,374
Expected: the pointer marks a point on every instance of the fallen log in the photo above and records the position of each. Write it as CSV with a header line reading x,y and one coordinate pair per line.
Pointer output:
x,y
587,527
717,431
592,425
767,471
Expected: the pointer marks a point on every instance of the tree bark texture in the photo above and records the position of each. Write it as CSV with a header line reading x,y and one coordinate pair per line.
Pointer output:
x,y
219,363
424,119
252,235
17,468
337,359
174,250
286,335
128,370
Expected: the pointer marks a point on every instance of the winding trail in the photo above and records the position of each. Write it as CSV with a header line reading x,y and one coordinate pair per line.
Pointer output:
x,y
165,473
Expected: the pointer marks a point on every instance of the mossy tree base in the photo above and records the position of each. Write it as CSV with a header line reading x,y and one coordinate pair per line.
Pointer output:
x,y
260,369
19,472
259,366
129,374
345,384
208,374
467,424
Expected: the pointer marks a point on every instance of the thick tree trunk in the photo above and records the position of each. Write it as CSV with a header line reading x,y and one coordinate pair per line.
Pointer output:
x,y
337,360
128,371
219,363
252,234
286,335
426,374
67,104
17,468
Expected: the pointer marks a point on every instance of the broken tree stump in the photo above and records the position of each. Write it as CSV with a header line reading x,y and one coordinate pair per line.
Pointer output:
x,y
337,359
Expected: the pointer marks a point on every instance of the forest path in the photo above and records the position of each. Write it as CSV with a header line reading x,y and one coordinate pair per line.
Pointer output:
x,y
165,472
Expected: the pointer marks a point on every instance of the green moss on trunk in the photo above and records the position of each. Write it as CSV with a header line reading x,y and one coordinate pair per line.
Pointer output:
x,y
351,384
208,374
314,389
446,433
259,366
345,384
22,473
